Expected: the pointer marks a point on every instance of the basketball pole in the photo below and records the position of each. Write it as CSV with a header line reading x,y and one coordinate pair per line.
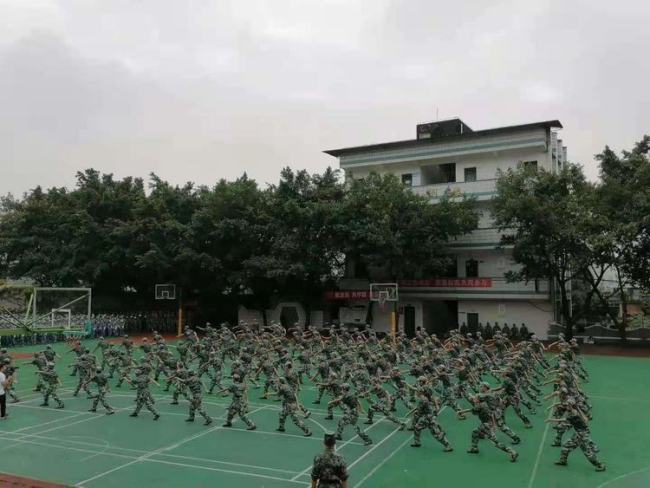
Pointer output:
x,y
179,325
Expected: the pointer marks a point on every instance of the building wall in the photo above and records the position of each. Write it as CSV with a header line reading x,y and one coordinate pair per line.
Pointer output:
x,y
536,315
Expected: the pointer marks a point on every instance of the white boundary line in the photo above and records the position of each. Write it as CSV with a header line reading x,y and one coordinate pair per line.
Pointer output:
x,y
383,461
133,459
539,456
623,476
150,454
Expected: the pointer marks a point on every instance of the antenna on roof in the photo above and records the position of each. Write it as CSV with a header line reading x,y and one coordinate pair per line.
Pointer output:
x,y
437,118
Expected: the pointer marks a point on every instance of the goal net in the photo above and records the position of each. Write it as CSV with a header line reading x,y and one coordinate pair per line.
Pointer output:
x,y
60,308
36,308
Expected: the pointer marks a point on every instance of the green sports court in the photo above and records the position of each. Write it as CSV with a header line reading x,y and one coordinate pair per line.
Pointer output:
x,y
78,448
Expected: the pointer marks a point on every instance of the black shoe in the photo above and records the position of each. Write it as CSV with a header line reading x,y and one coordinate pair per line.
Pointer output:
x,y
227,424
189,419
416,444
173,403
600,467
472,450
556,444
134,414
513,456
516,440
308,433
316,402
45,404
329,417
280,429
339,437
93,410
561,463
368,422
252,427
367,441
60,405
110,412
207,422
156,417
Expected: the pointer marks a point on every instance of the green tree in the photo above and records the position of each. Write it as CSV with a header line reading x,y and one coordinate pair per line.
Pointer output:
x,y
542,215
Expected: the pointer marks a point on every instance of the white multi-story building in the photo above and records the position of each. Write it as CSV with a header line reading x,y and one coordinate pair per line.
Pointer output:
x,y
449,156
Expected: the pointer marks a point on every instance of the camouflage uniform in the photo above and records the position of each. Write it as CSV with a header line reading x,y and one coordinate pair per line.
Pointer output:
x,y
579,439
180,386
329,470
40,362
350,414
289,407
239,404
51,384
485,430
426,419
195,387
101,380
143,396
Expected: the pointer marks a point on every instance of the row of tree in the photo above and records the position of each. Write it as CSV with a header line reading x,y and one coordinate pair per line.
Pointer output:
x,y
231,243
235,242
593,239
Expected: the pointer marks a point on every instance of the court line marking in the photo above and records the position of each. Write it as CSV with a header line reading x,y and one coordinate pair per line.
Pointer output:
x,y
164,412
539,456
160,461
110,447
383,461
363,456
147,456
349,441
623,476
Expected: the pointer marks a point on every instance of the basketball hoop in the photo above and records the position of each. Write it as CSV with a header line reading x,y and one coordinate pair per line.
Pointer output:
x,y
382,293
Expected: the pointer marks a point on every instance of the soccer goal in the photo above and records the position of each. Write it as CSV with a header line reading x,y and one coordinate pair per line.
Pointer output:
x,y
60,308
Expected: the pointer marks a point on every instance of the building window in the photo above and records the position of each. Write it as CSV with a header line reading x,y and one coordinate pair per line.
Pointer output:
x,y
407,179
471,268
530,165
443,173
470,174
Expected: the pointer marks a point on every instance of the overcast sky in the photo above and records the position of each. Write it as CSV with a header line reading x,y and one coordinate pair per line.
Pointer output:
x,y
202,90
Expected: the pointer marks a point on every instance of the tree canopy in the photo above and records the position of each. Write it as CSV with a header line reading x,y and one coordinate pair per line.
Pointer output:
x,y
232,241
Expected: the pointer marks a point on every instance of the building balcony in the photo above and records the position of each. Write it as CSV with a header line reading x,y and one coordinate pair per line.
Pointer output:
x,y
487,238
475,289
481,189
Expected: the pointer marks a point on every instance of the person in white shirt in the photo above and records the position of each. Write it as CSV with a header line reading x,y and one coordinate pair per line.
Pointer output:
x,y
3,396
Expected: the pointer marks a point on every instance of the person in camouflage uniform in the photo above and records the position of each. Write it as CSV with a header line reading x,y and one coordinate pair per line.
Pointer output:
x,y
382,404
270,376
122,364
143,396
495,403
427,412
194,385
101,380
102,345
50,355
329,469
289,407
51,383
178,380
239,404
85,366
351,407
78,350
40,362
581,438
485,430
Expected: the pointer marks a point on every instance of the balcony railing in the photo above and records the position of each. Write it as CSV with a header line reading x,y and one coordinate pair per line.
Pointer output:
x,y
489,237
481,189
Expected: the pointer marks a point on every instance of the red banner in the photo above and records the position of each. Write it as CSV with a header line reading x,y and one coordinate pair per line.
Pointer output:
x,y
448,283
347,295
